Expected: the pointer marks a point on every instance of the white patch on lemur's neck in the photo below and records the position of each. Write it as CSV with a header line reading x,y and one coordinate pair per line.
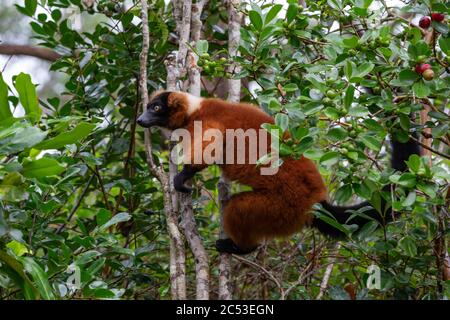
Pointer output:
x,y
193,103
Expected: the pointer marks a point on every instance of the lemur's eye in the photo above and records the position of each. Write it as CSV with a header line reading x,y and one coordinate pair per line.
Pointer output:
x,y
156,108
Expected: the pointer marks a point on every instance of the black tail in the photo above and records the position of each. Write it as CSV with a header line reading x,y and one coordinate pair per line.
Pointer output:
x,y
400,153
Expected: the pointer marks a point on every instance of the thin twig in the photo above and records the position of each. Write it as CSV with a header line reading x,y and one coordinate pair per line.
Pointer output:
x,y
429,148
326,277
257,266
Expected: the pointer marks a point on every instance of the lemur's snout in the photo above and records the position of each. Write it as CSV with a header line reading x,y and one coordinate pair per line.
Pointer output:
x,y
140,121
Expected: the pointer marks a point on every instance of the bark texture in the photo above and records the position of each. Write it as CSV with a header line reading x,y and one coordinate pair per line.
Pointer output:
x,y
234,94
27,50
177,253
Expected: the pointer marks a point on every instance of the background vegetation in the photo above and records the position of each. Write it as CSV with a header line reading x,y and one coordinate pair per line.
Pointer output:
x,y
81,215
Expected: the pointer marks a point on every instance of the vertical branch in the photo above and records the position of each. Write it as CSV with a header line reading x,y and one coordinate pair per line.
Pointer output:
x,y
185,62
184,32
224,187
224,190
189,224
328,271
427,141
234,38
177,260
196,27
197,248
143,58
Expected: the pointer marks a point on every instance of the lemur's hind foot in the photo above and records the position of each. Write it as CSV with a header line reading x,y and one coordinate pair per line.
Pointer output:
x,y
228,246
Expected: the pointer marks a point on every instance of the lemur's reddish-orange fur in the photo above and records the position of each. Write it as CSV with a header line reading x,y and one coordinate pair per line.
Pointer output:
x,y
278,205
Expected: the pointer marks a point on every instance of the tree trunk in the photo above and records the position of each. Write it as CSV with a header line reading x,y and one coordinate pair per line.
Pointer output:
x,y
177,255
189,224
234,37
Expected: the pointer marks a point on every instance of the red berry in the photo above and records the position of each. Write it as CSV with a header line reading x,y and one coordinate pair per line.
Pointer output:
x,y
425,22
421,67
428,74
438,17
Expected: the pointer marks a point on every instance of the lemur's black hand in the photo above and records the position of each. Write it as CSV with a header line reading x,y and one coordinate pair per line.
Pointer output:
x,y
187,173
178,183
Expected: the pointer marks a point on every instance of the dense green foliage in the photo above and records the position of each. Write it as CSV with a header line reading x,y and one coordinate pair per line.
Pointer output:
x,y
81,216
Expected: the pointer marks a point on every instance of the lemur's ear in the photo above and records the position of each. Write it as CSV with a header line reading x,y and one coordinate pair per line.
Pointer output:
x,y
155,94
177,100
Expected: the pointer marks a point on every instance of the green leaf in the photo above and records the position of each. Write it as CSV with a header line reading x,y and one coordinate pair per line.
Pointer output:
x,y
18,137
291,12
19,276
349,95
410,199
407,244
18,248
371,142
202,46
300,133
414,163
304,145
290,87
444,43
373,125
120,217
344,193
348,69
335,4
56,15
13,193
420,48
440,27
103,293
364,4
337,134
40,278
42,168
285,150
428,188
331,221
5,111
407,77
272,13
367,229
331,113
27,96
421,90
103,216
363,190
87,257
30,6
330,158
438,115
312,108
351,42
282,121
364,69
96,266
256,19
358,111
407,180
81,131
440,131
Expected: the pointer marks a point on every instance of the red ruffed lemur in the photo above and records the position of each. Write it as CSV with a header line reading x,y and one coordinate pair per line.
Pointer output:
x,y
278,205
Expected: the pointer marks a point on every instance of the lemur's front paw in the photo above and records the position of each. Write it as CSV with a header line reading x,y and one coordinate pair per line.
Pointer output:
x,y
178,183
228,246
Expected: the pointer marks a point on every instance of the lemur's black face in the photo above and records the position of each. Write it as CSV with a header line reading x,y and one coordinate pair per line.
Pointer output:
x,y
157,113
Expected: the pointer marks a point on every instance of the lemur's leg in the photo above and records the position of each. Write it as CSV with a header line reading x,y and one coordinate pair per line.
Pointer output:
x,y
250,217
